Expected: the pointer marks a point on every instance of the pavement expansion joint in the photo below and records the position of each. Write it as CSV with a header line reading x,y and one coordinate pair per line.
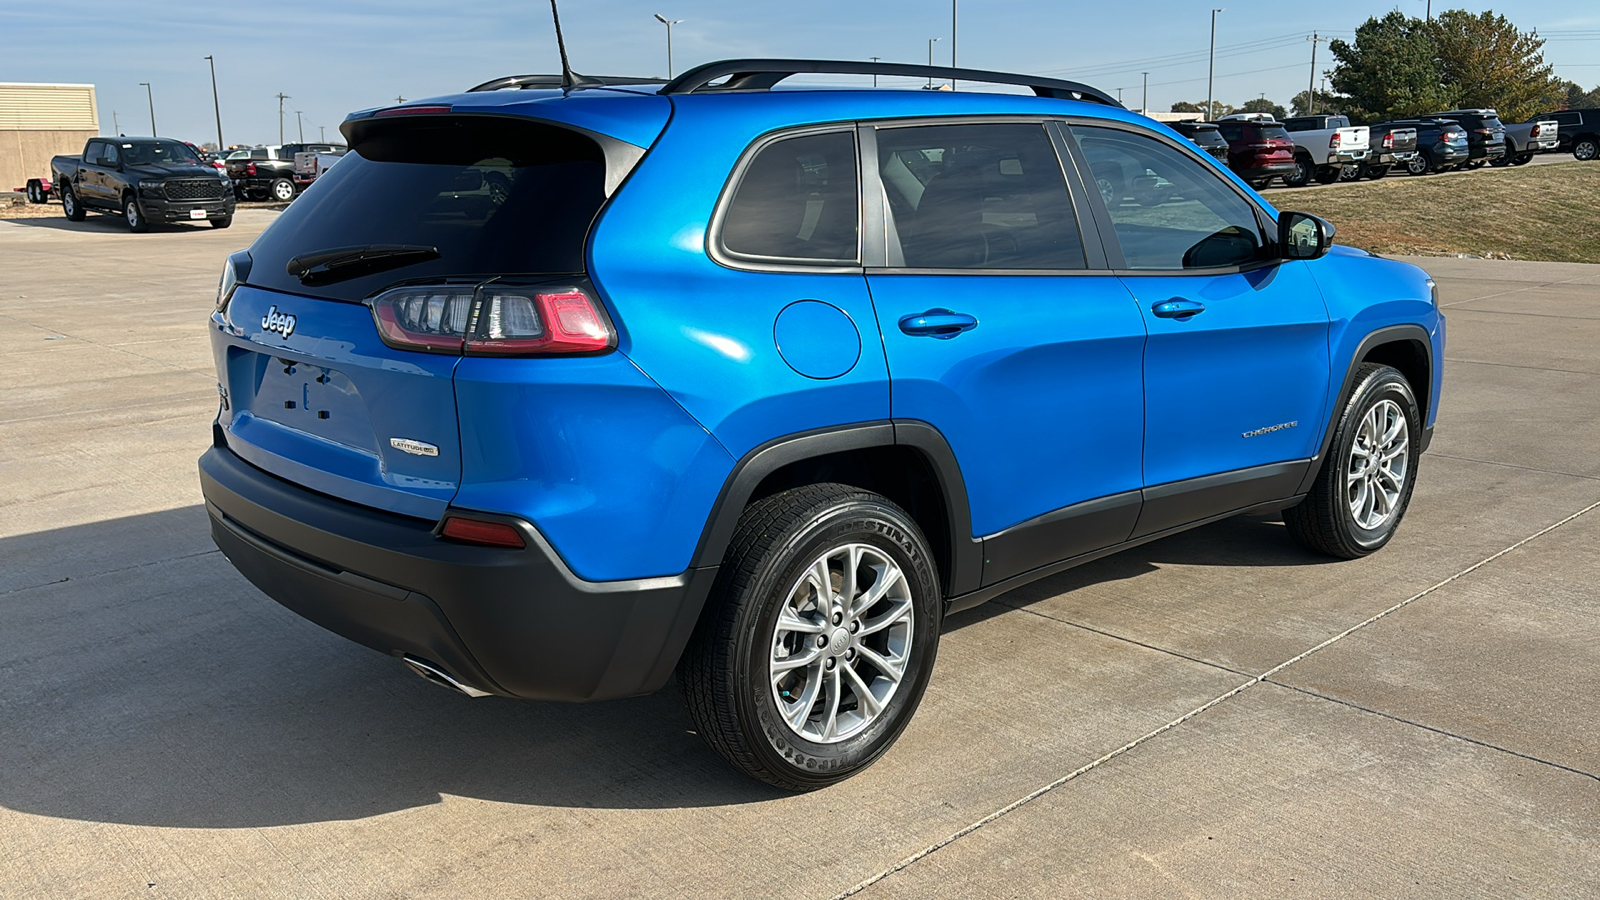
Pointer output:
x,y
1014,805
1433,728
66,578
1506,465
1529,287
1479,362
112,347
1128,640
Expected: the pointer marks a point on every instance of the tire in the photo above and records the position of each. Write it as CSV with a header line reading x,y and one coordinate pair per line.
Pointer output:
x,y
35,193
1585,149
281,190
1381,415
1502,161
1301,176
134,216
1522,159
726,672
1327,174
70,205
1377,172
1475,164
1421,164
1352,173
223,222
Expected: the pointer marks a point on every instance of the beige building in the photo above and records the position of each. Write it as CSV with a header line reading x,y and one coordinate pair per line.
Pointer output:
x,y
38,121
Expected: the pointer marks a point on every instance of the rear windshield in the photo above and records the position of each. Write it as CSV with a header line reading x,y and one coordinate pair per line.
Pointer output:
x,y
1273,133
494,197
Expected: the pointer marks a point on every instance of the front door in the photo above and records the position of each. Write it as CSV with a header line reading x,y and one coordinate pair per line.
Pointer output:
x,y
1000,335
1236,368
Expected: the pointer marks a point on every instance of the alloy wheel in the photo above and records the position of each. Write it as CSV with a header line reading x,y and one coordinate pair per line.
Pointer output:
x,y
1375,473
841,643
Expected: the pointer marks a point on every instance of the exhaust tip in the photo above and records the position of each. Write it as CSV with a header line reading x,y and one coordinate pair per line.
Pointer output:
x,y
432,673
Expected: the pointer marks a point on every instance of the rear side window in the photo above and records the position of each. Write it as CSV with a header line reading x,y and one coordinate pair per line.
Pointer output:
x,y
1170,211
494,196
980,196
797,202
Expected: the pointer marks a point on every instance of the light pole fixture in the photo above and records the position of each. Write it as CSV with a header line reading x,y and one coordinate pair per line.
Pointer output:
x,y
281,97
929,85
669,23
215,103
150,95
1211,67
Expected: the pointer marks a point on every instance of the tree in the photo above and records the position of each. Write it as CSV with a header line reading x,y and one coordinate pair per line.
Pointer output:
x,y
1486,62
1326,103
1218,108
1391,70
1578,98
1263,105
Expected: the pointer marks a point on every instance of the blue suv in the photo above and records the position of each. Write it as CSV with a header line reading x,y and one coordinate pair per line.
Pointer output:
x,y
554,388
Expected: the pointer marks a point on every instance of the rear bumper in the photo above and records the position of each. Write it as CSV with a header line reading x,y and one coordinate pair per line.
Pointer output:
x,y
510,622
1265,170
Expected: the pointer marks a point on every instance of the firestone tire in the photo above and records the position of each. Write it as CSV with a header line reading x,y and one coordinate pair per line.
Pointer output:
x,y
70,205
1365,485
824,589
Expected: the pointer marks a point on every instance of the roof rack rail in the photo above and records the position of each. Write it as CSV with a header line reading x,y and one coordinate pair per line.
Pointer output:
x,y
763,74
554,81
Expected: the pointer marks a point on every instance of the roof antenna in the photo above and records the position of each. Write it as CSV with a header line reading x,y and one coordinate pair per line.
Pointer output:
x,y
568,80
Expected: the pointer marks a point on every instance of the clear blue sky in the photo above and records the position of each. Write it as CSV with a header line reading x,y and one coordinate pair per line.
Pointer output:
x,y
335,56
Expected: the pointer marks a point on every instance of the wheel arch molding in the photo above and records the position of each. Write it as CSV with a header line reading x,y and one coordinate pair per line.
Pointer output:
x,y
1407,348
908,461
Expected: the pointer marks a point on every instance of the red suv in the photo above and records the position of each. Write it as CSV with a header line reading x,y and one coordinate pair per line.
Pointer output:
x,y
1258,151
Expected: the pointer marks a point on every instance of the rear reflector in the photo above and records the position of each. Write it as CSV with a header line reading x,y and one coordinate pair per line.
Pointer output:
x,y
477,531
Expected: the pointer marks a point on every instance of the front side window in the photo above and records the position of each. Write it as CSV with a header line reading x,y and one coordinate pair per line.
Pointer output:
x,y
979,196
797,201
1169,210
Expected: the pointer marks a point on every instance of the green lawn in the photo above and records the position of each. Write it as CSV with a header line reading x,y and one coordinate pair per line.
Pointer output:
x,y
1548,212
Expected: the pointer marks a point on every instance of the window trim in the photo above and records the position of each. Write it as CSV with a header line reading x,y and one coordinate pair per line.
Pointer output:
x,y
1265,220
719,252
877,206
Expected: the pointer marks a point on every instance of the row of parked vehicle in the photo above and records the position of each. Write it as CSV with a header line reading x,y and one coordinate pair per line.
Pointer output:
x,y
1328,148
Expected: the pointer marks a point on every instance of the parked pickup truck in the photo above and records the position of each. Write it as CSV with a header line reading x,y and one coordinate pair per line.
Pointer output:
x,y
1524,139
308,164
145,179
1391,145
267,173
1325,146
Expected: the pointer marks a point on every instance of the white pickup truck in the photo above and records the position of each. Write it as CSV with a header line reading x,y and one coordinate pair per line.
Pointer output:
x,y
308,164
1524,139
1327,147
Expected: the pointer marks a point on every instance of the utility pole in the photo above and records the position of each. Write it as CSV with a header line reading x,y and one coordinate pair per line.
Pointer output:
x,y
1119,96
114,126
669,23
215,103
952,43
875,74
1311,86
321,134
301,125
281,97
399,99
929,85
1211,67
1145,111
152,97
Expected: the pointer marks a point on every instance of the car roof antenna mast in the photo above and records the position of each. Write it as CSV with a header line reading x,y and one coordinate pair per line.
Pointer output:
x,y
568,79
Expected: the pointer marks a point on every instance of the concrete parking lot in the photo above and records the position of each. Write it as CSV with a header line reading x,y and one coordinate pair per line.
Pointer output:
x,y
1220,714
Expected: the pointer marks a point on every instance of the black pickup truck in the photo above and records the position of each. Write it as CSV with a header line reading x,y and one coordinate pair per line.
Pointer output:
x,y
267,173
146,180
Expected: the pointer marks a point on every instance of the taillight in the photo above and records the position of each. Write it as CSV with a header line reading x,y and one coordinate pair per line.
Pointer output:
x,y
249,168
1333,141
479,531
492,320
1483,131
1388,142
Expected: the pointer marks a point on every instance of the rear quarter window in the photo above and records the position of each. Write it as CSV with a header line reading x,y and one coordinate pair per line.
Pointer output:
x,y
796,202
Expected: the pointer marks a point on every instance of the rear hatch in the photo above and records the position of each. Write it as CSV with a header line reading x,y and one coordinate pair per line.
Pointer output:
x,y
422,213
1399,140
1352,139
1270,143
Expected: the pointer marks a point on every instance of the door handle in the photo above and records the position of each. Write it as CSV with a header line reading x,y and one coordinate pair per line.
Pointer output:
x,y
937,323
1178,308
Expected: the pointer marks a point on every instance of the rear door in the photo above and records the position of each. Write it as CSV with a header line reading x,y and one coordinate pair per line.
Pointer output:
x,y
1004,331
312,393
1236,365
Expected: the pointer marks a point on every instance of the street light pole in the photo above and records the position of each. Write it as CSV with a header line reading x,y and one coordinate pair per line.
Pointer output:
x,y
952,43
281,97
216,104
875,74
321,134
114,126
929,85
669,23
150,94
1211,67
1145,110
301,125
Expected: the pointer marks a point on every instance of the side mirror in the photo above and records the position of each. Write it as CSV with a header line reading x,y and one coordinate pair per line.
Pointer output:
x,y
1303,236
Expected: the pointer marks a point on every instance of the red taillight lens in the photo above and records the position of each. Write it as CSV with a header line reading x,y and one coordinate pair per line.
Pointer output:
x,y
412,111
477,531
1388,142
494,320
1333,141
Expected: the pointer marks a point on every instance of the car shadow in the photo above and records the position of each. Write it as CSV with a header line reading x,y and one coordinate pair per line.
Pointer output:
x,y
101,222
143,681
